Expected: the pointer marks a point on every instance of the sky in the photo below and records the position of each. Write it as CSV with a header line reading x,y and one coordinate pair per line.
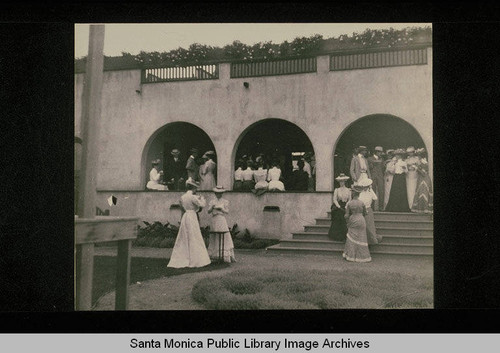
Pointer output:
x,y
133,38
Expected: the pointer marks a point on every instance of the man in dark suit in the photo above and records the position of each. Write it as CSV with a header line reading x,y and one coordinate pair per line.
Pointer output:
x,y
175,173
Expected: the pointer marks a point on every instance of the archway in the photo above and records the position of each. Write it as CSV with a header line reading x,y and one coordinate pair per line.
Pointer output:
x,y
275,139
384,130
177,135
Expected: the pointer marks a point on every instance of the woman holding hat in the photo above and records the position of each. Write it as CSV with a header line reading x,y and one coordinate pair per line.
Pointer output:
x,y
423,200
356,245
189,249
368,196
341,195
154,177
207,171
412,162
398,197
219,207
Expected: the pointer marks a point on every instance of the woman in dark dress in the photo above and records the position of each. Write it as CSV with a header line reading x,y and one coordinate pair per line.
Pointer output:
x,y
341,195
398,197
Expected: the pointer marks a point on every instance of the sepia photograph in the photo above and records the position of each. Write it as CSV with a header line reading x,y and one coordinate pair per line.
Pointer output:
x,y
253,166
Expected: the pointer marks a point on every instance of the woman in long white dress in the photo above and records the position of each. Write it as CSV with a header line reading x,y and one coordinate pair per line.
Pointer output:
x,y
189,249
219,207
207,172
388,175
412,162
274,178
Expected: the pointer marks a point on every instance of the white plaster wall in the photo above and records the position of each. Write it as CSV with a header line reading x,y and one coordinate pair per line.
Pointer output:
x,y
246,209
322,104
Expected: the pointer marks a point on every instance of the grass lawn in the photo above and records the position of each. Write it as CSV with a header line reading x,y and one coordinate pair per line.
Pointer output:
x,y
313,289
142,269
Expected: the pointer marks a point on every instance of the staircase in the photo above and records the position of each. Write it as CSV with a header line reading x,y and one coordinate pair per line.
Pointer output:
x,y
403,234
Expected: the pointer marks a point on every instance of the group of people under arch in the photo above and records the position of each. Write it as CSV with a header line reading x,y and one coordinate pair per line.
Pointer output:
x,y
177,170
271,173
396,181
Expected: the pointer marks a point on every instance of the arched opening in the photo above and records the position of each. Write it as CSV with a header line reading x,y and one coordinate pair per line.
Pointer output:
x,y
178,135
387,131
275,139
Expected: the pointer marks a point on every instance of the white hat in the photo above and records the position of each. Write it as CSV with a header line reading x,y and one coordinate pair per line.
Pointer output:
x,y
218,189
155,161
365,182
341,177
410,149
175,152
379,148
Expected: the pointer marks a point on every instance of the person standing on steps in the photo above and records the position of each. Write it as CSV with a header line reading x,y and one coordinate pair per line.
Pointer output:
x,y
341,195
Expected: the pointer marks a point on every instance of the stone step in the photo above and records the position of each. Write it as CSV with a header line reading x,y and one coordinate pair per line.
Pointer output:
x,y
338,252
390,223
382,230
396,239
336,245
402,216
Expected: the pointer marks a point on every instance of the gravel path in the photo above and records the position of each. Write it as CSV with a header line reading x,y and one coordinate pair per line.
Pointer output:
x,y
174,293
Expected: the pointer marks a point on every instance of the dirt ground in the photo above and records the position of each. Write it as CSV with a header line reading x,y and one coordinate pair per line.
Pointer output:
x,y
174,293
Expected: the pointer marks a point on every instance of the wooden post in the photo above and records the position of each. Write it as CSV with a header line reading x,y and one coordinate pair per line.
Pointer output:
x,y
91,112
84,265
122,274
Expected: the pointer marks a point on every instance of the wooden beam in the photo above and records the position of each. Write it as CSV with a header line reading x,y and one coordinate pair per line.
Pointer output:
x,y
83,278
105,229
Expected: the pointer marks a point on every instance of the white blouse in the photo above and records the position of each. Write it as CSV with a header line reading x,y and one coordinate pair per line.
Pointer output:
x,y
238,174
341,194
247,174
367,197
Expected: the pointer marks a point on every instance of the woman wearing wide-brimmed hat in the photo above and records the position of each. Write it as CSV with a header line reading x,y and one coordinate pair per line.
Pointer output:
x,y
398,197
369,197
341,195
218,208
356,244
207,171
154,177
423,200
189,249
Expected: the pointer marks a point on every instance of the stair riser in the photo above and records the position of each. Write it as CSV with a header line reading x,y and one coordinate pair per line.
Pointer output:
x,y
381,230
399,217
338,253
397,240
404,249
405,225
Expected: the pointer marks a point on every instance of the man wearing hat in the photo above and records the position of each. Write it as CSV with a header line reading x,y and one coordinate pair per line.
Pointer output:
x,y
175,172
192,166
359,166
377,169
154,177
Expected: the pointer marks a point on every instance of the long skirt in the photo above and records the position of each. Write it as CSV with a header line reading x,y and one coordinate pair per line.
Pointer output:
x,y
387,187
411,185
398,198
189,249
219,224
207,181
247,185
238,185
356,245
378,188
338,226
423,200
371,232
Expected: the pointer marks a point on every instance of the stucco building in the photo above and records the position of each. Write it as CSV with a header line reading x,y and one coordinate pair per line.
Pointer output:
x,y
325,104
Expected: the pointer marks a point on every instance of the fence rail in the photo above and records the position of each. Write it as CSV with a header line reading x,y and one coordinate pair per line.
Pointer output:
x,y
183,73
272,68
355,61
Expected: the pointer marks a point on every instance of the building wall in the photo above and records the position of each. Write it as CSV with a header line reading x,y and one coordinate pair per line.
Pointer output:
x,y
246,209
322,104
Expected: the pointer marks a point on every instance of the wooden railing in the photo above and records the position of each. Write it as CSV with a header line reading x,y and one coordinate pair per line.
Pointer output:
x,y
183,73
386,58
273,68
